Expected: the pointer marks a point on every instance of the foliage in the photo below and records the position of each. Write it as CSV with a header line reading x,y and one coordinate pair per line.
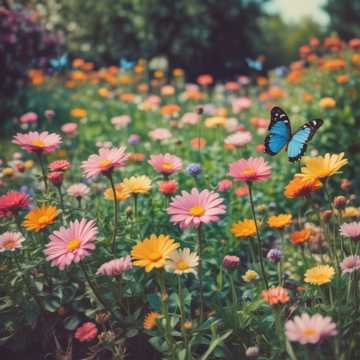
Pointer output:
x,y
344,17
25,44
197,35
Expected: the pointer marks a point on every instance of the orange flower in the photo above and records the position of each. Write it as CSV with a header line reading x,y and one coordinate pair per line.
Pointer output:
x,y
334,64
277,295
150,320
77,62
299,237
261,80
355,59
279,221
39,218
299,187
205,80
308,97
170,109
327,103
167,90
127,97
232,86
194,95
177,72
342,79
136,157
78,113
198,143
276,93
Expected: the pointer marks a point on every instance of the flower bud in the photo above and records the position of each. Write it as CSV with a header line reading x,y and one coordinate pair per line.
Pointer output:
x,y
345,184
231,261
274,255
56,178
326,215
340,202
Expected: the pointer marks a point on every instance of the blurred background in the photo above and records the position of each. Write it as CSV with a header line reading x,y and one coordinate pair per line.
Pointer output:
x,y
224,38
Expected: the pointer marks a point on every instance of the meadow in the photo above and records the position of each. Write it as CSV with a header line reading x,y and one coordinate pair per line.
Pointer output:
x,y
140,216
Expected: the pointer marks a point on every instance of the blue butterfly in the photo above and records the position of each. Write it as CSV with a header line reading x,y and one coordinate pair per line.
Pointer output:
x,y
126,64
254,64
280,135
60,62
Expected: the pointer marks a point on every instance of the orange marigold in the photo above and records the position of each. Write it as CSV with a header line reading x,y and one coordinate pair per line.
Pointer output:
x,y
198,143
279,221
299,237
277,295
299,187
170,109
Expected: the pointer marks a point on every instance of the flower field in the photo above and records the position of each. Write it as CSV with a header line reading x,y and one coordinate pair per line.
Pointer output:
x,y
141,217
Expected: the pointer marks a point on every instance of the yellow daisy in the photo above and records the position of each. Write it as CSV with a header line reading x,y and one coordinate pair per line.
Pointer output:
x,y
153,252
321,167
122,193
244,228
250,275
319,275
137,184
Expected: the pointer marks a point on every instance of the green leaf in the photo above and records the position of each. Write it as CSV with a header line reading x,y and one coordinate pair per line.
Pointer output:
x,y
71,322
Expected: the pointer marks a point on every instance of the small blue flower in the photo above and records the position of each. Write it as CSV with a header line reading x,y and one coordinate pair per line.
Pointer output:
x,y
194,169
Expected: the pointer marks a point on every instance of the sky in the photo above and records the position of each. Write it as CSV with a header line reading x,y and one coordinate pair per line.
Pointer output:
x,y
291,10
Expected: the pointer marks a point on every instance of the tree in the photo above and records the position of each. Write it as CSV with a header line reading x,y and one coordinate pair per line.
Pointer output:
x,y
344,17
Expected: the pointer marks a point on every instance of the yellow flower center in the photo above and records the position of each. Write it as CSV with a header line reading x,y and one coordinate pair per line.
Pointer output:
x,y
38,143
10,244
105,163
197,211
182,265
73,244
309,332
249,171
155,256
43,220
167,165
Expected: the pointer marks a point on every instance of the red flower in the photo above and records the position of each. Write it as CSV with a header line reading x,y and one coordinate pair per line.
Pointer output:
x,y
12,202
56,178
59,165
168,187
86,332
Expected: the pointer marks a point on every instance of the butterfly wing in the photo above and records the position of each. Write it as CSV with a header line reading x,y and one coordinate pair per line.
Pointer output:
x,y
254,64
298,143
279,131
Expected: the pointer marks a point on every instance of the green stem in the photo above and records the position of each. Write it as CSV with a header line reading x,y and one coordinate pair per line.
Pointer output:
x,y
27,284
96,291
232,285
43,171
200,271
260,246
165,309
61,197
182,312
116,210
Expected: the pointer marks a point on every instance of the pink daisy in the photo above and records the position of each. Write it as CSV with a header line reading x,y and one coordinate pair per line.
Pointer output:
x,y
165,164
252,169
307,329
78,190
121,121
69,128
351,230
72,244
238,139
9,241
350,264
38,142
195,208
29,117
115,267
105,162
190,118
160,134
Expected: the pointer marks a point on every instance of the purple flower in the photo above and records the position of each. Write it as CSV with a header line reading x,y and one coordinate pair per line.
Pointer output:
x,y
194,169
274,255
